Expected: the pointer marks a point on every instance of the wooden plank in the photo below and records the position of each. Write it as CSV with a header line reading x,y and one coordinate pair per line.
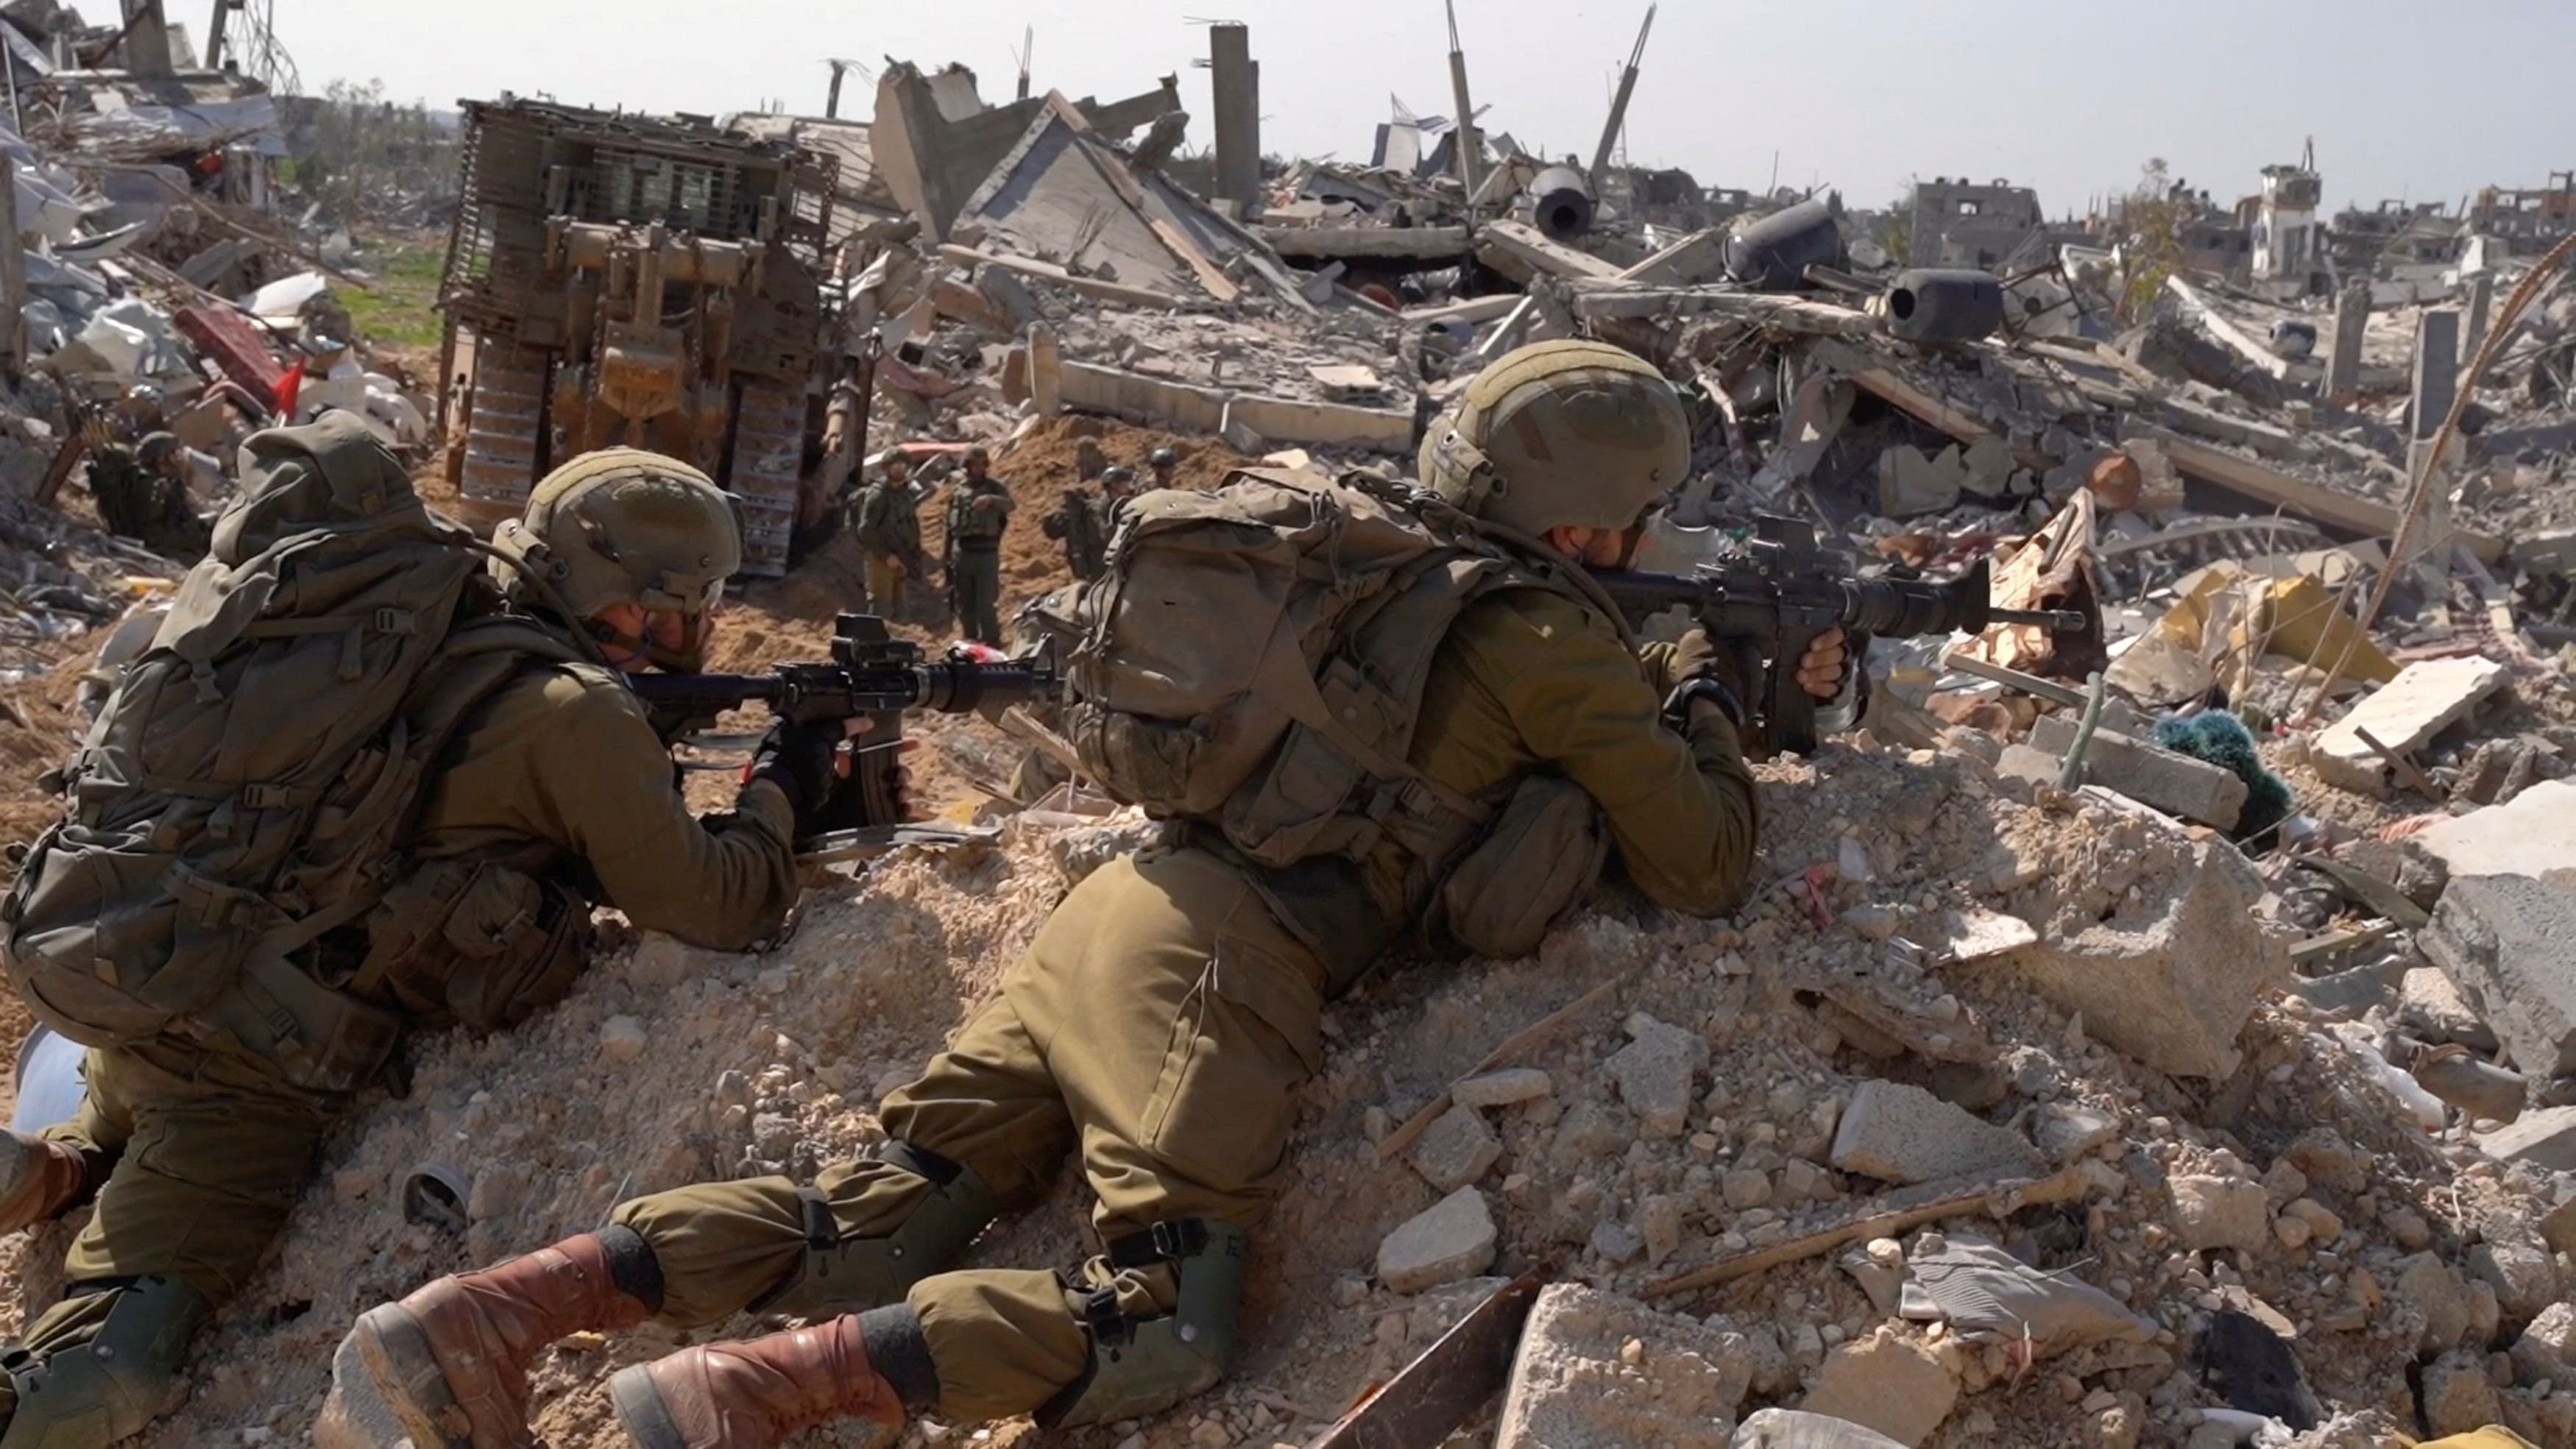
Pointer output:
x,y
2312,501
1884,1218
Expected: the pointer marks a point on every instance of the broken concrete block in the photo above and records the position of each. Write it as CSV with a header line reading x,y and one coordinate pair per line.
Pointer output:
x,y
2432,1288
2173,783
1596,1368
1901,1133
2545,1138
2352,992
1885,1382
2066,1132
2171,982
1795,1429
2030,766
1449,1240
1503,1088
2404,714
2221,1212
2558,1227
1911,483
2544,551
2432,1005
1456,1149
1654,1074
2533,834
2503,940
2518,1265
2459,1398
2547,1349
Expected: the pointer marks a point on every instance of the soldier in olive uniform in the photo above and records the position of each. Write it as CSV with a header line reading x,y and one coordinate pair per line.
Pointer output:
x,y
555,788
1081,521
886,519
1164,1018
979,508
1166,464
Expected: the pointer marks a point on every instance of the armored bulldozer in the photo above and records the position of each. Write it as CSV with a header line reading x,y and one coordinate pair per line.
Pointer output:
x,y
617,279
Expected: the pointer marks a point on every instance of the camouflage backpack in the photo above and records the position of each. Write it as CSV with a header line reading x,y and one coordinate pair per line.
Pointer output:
x,y
1254,657
243,791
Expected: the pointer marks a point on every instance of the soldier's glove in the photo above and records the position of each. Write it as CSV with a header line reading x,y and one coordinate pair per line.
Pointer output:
x,y
1701,670
797,758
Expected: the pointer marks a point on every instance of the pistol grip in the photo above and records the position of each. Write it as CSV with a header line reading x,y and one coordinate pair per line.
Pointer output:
x,y
1788,711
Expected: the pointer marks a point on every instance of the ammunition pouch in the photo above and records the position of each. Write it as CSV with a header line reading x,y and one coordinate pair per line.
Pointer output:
x,y
1143,1366
1542,852
838,1274
109,1387
476,942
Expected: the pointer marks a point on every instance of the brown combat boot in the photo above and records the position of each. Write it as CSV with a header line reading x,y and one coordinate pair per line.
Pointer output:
x,y
39,1177
752,1394
451,1360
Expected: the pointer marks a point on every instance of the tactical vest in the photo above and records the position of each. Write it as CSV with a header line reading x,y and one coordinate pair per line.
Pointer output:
x,y
1254,659
969,528
245,791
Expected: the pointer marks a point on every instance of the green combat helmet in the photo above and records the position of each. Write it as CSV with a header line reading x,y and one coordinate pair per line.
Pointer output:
x,y
625,526
1560,434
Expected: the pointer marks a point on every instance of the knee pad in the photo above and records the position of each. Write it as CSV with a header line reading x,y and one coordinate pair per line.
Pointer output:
x,y
111,1386
1143,1366
849,1275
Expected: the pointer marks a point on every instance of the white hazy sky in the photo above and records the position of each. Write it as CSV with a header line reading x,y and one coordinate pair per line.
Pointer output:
x,y
2071,96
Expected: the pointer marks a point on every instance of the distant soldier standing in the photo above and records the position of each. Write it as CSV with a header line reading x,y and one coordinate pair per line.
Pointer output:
x,y
1081,521
1165,462
887,521
979,508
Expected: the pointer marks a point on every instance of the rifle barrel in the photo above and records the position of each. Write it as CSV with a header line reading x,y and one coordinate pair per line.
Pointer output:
x,y
2055,621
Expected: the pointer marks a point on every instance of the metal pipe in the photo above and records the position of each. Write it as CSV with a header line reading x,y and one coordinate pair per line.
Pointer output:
x,y
1619,104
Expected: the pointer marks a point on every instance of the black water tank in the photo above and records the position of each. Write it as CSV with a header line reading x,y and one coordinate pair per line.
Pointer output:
x,y
1944,304
1773,254
1564,204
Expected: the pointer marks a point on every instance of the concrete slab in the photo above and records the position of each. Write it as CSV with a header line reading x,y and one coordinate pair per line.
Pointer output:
x,y
2534,834
2174,783
2425,698
1596,1368
2503,940
1901,1133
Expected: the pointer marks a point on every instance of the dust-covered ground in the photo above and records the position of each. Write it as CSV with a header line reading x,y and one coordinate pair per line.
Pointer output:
x,y
772,1061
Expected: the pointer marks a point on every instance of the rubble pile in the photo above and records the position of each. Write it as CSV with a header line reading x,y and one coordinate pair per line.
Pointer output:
x,y
1770,1149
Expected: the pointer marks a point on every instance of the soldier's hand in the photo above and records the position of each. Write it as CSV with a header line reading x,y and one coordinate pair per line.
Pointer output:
x,y
845,760
1820,670
800,759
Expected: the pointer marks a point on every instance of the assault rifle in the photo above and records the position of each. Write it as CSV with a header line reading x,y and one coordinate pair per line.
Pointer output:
x,y
1769,597
870,673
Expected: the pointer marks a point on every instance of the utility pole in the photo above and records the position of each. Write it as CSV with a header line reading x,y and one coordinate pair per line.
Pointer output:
x,y
1028,48
1619,105
1468,141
